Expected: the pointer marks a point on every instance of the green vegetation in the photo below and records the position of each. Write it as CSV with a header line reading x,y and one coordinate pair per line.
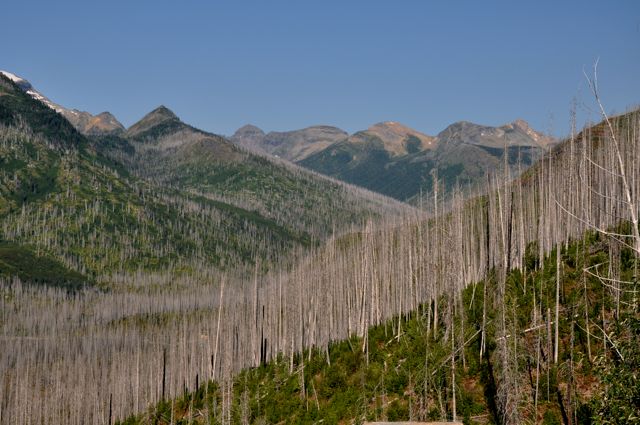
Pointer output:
x,y
618,372
210,166
20,261
18,108
101,207
204,250
73,207
406,373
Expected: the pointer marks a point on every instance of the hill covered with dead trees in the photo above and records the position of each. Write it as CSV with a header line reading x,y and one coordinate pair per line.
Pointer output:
x,y
520,306
214,293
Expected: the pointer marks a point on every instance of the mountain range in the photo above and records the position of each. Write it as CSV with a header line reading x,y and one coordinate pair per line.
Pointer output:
x,y
388,157
397,161
204,198
176,275
160,193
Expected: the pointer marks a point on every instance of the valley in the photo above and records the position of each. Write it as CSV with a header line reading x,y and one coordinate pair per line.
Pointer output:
x,y
164,274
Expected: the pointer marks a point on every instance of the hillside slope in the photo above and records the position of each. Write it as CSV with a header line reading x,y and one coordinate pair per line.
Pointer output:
x,y
160,195
102,124
60,195
406,374
403,168
172,153
558,265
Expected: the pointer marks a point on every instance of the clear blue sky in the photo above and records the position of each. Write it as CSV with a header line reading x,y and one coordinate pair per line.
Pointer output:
x,y
289,64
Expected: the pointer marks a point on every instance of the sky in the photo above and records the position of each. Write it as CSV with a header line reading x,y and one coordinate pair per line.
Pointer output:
x,y
284,65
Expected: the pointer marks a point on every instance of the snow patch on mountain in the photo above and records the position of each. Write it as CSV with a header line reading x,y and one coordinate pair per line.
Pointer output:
x,y
12,77
28,88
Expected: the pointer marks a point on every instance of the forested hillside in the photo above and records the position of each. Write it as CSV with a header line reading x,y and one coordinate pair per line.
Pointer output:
x,y
319,213
170,312
60,198
92,241
97,205
514,307
171,153
408,372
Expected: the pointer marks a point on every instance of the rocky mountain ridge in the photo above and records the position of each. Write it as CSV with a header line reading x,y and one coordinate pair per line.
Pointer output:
x,y
398,161
86,123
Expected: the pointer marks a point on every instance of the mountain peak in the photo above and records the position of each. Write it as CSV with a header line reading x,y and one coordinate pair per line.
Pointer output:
x,y
103,123
395,136
388,124
159,115
21,82
540,139
26,87
248,130
106,115
520,123
84,122
459,125
162,112
516,133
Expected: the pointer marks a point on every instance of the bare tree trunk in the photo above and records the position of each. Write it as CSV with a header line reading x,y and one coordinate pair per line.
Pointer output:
x,y
215,347
453,360
586,306
556,343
